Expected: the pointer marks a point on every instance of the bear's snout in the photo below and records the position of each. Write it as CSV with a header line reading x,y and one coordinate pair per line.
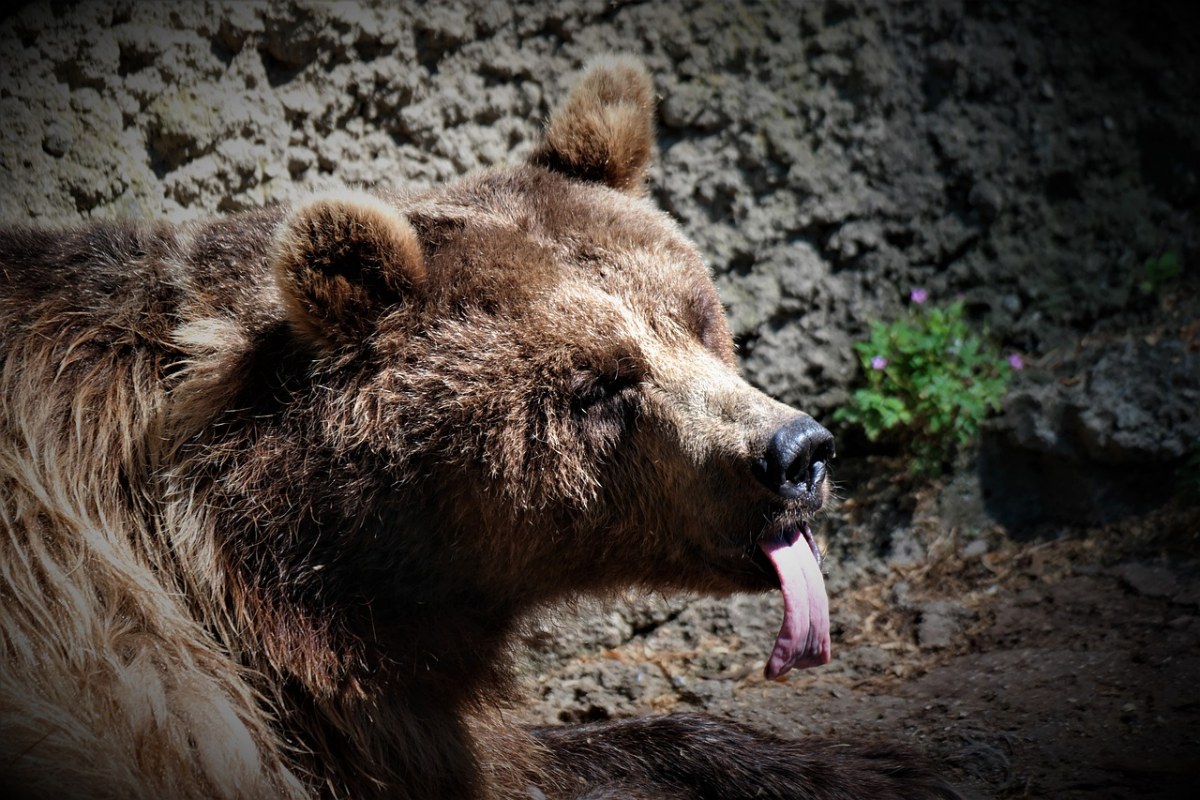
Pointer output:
x,y
793,465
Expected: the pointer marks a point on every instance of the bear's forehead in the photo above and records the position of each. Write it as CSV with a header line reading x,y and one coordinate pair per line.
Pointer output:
x,y
526,253
510,236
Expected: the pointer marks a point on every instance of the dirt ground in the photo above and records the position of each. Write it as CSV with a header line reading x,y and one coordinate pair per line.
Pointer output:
x,y
1042,657
1064,667
1031,621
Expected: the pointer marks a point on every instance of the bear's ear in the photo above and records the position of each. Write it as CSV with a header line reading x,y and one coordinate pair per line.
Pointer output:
x,y
342,261
605,130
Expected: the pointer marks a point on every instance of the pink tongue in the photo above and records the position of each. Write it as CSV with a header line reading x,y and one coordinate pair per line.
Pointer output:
x,y
803,639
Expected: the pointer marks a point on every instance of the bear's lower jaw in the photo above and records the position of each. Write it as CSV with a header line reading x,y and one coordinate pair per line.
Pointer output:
x,y
803,639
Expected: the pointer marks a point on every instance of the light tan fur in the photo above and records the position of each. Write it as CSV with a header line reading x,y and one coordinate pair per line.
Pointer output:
x,y
93,587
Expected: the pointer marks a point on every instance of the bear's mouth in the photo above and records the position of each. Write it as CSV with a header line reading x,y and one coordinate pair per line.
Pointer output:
x,y
803,639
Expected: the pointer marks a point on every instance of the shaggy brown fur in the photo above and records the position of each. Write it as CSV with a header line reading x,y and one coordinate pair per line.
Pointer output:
x,y
277,491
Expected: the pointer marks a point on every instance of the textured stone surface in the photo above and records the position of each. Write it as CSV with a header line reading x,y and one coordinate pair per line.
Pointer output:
x,y
1026,157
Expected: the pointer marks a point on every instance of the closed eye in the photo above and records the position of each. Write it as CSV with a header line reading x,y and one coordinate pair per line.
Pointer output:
x,y
592,390
606,406
706,319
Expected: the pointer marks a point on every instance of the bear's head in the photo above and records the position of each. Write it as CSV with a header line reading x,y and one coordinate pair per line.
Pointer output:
x,y
527,389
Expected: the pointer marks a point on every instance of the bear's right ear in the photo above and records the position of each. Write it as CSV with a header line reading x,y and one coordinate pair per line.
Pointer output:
x,y
604,131
342,261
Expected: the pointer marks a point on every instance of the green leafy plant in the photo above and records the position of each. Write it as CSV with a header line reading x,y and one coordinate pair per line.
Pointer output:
x,y
1156,272
930,382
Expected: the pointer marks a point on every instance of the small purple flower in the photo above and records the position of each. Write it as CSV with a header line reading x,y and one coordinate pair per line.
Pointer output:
x,y
878,362
918,295
1015,361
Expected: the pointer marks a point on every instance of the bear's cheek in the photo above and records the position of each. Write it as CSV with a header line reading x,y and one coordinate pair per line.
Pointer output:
x,y
692,517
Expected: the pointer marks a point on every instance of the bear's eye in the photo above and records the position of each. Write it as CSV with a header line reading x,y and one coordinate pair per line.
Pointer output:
x,y
605,405
705,317
592,390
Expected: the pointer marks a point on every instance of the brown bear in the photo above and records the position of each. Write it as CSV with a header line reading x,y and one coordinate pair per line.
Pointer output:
x,y
279,491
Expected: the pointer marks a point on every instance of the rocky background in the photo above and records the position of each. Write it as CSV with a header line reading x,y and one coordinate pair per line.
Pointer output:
x,y
1031,619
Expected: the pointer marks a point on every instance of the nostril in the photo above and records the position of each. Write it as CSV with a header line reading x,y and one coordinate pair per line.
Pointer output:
x,y
794,463
808,465
818,466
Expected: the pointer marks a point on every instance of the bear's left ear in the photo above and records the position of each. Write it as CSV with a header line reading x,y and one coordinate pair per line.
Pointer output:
x,y
604,131
342,261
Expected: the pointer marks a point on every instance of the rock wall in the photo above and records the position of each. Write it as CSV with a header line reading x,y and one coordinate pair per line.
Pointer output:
x,y
827,156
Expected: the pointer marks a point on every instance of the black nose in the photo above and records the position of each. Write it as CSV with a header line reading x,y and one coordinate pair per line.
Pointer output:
x,y
793,465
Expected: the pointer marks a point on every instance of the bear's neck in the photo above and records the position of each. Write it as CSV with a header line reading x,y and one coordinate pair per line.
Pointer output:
x,y
376,657
388,686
